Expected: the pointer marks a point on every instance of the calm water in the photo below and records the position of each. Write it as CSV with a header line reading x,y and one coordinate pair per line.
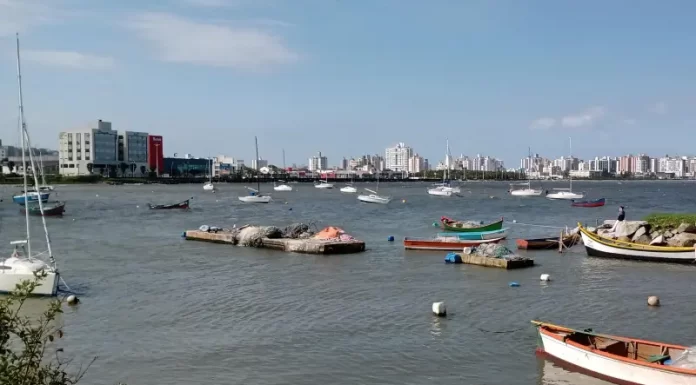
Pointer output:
x,y
160,310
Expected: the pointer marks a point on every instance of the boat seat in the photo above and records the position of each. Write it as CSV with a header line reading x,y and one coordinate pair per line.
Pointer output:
x,y
606,345
657,359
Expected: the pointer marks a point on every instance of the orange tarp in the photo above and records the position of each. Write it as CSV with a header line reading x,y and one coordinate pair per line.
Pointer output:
x,y
329,233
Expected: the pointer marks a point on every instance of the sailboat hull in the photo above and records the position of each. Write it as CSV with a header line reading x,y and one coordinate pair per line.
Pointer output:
x,y
282,187
564,195
255,199
372,198
31,197
48,287
526,193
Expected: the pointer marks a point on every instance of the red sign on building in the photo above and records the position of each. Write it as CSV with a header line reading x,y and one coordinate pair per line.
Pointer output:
x,y
155,153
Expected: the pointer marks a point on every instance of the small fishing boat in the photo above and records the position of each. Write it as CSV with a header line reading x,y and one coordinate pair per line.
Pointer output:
x,y
449,224
547,243
444,244
620,360
595,203
597,246
50,209
477,235
31,196
180,205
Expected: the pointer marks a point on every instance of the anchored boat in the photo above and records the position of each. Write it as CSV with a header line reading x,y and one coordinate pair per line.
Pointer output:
x,y
50,209
444,244
594,203
181,205
477,235
547,243
449,224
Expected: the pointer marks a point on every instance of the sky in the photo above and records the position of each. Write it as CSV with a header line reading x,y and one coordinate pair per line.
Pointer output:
x,y
351,77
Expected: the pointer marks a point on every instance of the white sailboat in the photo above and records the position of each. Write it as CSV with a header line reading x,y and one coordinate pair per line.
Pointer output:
x,y
22,265
566,193
324,184
445,189
255,195
529,191
349,188
209,186
282,186
374,196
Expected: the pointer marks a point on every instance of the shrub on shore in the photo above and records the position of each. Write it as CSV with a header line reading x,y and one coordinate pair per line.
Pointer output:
x,y
659,221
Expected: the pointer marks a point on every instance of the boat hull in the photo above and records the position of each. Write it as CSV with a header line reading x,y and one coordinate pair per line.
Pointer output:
x,y
282,187
349,189
595,203
31,197
564,195
603,365
451,226
374,199
546,243
49,210
255,199
435,244
181,205
526,193
607,248
476,236
324,186
208,187
48,287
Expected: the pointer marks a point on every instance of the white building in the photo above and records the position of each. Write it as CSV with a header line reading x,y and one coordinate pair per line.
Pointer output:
x,y
674,165
95,144
318,163
416,163
258,164
396,158
224,165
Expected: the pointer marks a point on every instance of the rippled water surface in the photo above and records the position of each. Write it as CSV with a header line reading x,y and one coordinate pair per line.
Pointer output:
x,y
161,310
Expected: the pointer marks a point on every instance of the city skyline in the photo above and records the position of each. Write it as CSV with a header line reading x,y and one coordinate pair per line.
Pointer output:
x,y
492,77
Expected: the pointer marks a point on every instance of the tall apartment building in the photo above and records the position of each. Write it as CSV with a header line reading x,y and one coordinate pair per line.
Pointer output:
x,y
318,163
95,144
396,158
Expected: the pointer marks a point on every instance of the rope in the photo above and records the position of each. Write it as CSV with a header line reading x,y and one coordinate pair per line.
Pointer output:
x,y
65,284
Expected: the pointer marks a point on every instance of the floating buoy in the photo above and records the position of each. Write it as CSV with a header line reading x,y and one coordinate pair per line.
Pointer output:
x,y
653,300
97,195
435,224
439,309
72,300
514,284
514,221
403,201
390,238
545,277
137,206
453,258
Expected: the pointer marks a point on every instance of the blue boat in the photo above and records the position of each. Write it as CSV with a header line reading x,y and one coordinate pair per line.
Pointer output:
x,y
476,236
31,196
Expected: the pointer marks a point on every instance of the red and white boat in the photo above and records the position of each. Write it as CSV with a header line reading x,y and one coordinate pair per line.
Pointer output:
x,y
445,243
620,360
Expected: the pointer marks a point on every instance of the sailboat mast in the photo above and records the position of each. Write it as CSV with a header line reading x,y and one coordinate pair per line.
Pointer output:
x,y
570,176
258,179
43,176
283,159
24,161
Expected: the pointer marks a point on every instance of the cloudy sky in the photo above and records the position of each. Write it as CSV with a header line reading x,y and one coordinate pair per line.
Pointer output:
x,y
348,77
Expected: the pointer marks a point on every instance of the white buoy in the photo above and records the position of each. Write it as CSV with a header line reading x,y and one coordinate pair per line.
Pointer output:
x,y
439,309
97,195
653,300
72,300
514,221
545,277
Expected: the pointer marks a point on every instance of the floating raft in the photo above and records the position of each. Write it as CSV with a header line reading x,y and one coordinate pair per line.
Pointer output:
x,y
308,246
502,263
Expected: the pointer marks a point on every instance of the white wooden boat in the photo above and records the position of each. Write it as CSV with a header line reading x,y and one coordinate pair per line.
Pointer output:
x,y
617,359
564,194
349,189
597,246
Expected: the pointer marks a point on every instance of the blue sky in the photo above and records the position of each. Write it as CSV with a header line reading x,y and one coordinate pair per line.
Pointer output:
x,y
348,77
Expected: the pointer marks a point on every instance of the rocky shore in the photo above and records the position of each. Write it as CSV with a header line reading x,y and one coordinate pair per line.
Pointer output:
x,y
644,233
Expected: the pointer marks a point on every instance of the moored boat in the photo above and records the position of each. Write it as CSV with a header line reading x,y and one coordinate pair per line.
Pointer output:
x,y
449,224
617,359
594,203
444,244
31,196
180,205
547,243
477,235
50,209
597,246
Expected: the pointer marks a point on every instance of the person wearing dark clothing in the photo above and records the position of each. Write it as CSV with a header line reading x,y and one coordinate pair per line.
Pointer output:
x,y
622,214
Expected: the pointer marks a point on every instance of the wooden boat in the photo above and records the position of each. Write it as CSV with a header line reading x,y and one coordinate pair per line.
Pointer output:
x,y
180,205
444,244
51,209
620,360
475,236
595,203
462,227
546,243
597,246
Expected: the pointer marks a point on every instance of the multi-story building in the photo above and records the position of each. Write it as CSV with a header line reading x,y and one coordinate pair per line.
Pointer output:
x,y
132,151
155,154
673,165
258,164
318,163
93,148
224,165
396,158
416,163
642,164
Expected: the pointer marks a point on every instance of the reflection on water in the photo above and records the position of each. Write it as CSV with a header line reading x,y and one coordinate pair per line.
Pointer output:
x,y
552,374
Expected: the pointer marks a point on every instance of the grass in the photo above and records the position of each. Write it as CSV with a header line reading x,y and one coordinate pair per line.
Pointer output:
x,y
668,220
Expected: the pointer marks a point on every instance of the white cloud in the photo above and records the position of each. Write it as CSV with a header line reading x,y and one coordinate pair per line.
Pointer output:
x,y
586,118
20,15
181,40
543,123
68,59
660,108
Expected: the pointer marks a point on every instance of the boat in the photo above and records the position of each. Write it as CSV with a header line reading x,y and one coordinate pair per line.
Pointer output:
x,y
180,205
281,187
22,265
476,235
324,184
597,246
620,360
31,196
566,193
349,189
449,224
50,209
209,186
374,196
547,243
255,195
528,191
445,189
444,244
595,203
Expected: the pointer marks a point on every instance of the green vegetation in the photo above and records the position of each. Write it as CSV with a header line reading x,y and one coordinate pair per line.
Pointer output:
x,y
669,220
29,354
